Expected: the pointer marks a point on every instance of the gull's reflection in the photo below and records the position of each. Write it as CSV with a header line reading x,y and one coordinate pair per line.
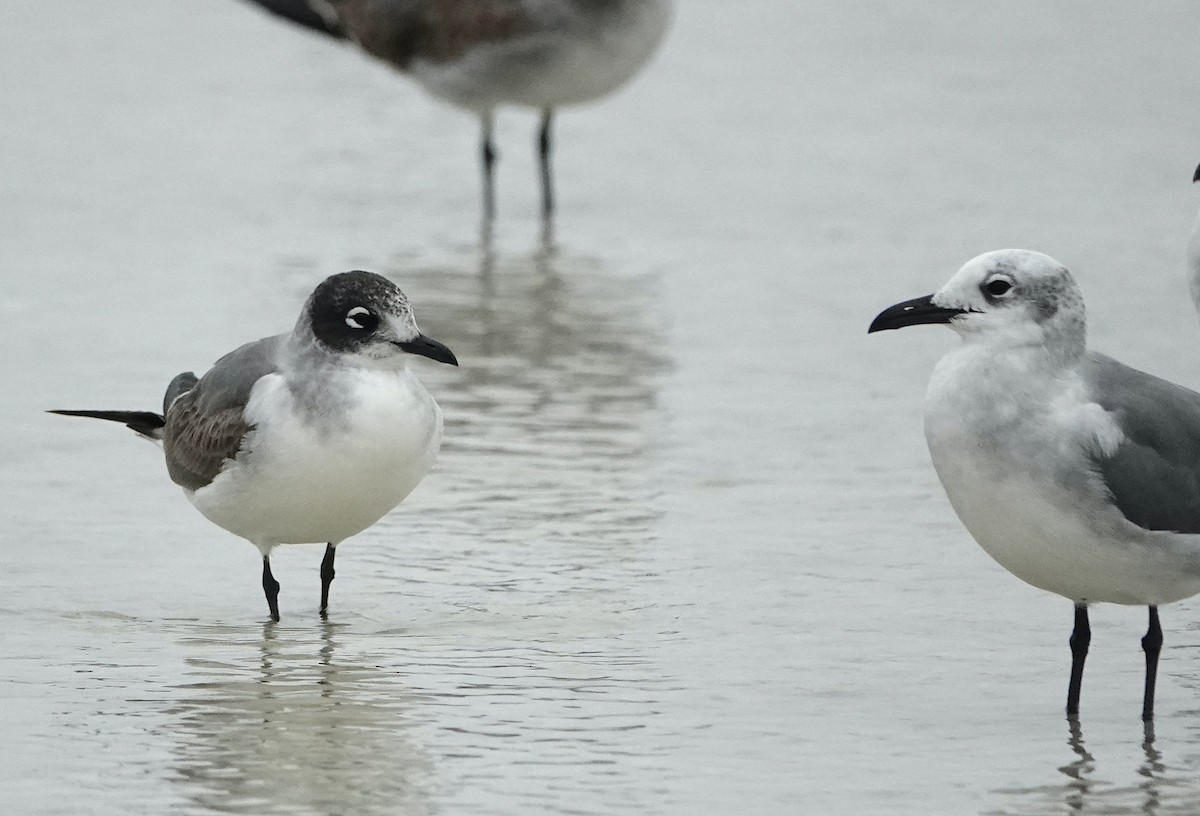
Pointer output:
x,y
276,722
487,230
1086,791
556,401
1153,769
1079,770
1086,794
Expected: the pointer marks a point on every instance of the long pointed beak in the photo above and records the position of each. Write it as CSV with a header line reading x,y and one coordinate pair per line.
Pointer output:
x,y
428,347
912,313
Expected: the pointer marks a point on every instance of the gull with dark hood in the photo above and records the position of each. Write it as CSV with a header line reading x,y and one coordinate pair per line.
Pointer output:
x,y
307,437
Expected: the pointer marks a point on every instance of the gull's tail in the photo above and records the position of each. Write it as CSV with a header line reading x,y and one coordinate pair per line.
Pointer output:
x,y
143,423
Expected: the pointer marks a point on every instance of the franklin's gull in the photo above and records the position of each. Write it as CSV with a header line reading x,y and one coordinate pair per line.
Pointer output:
x,y
306,437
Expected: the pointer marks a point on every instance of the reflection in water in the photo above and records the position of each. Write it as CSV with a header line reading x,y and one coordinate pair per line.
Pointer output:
x,y
540,552
1153,769
1086,792
551,418
1078,771
280,724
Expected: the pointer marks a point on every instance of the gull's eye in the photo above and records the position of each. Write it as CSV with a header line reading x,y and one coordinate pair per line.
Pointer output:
x,y
361,318
998,287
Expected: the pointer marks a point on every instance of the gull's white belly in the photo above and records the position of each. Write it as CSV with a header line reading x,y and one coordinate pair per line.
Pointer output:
x,y
1032,530
311,478
550,68
1017,470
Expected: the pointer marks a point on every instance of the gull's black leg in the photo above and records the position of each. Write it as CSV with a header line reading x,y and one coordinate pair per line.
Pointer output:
x,y
488,153
1151,645
1081,636
327,574
271,588
544,146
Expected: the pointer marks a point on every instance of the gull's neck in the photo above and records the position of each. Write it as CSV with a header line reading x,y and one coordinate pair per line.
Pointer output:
x,y
1003,369
1061,343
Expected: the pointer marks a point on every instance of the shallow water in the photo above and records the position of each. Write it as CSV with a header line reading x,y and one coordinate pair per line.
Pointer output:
x,y
684,551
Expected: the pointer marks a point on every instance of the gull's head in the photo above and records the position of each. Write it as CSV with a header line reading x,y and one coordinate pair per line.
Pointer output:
x,y
366,316
1009,297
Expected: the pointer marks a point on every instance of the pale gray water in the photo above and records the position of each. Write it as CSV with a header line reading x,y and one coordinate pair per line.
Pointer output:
x,y
684,552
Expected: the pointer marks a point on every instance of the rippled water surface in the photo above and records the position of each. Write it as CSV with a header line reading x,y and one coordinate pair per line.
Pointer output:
x,y
683,551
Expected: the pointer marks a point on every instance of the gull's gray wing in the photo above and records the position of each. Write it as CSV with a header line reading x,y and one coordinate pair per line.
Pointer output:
x,y
400,31
179,386
1154,475
204,421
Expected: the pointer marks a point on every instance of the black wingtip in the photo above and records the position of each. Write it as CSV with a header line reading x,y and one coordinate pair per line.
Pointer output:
x,y
1196,175
303,14
146,423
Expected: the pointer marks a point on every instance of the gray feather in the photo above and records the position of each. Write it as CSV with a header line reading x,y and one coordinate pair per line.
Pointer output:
x,y
205,424
180,385
1154,475
401,31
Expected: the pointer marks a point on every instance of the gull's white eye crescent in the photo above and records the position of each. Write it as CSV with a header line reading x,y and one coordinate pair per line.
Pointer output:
x,y
360,318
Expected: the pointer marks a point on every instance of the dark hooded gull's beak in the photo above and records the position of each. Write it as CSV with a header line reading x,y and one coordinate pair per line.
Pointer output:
x,y
428,347
913,313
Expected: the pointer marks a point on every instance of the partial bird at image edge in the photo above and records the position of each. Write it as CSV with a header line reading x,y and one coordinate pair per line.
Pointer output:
x,y
481,55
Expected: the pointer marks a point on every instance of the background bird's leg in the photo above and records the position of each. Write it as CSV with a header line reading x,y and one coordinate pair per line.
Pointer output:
x,y
1151,645
544,146
488,155
1081,636
327,574
271,588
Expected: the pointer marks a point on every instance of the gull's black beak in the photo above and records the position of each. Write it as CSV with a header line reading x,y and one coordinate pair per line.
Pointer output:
x,y
428,347
1196,176
913,313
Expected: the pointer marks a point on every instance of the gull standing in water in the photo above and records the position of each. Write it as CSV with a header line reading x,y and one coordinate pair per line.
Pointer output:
x,y
1078,474
484,54
307,437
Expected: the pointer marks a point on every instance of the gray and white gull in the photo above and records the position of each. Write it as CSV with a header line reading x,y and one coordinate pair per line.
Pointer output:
x,y
1076,473
307,437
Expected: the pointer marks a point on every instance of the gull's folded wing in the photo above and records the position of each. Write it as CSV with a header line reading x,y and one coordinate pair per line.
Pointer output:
x,y
1154,474
205,425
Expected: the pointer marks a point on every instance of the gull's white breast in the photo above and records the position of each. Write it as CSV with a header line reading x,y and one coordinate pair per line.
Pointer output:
x,y
321,470
1011,446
